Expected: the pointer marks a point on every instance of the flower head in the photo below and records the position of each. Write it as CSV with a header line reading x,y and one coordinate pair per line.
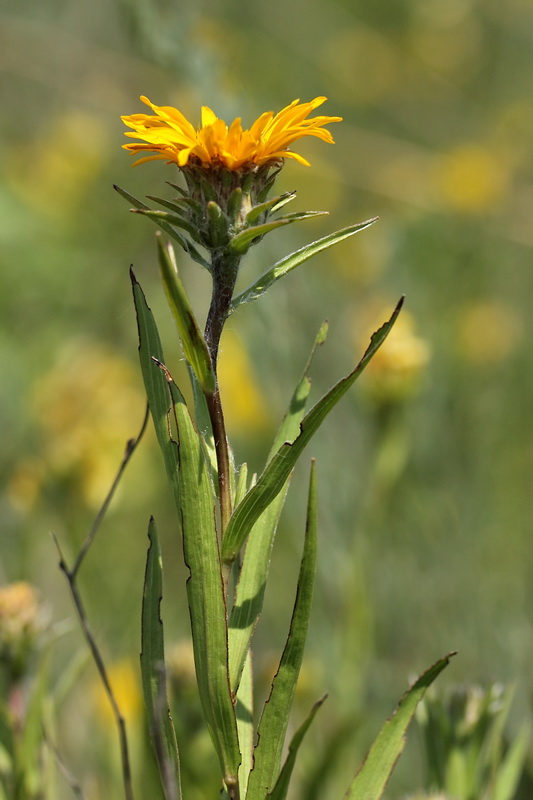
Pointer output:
x,y
171,137
22,618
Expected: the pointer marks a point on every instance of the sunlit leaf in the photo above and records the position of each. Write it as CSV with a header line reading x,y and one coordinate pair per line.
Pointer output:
x,y
272,205
169,230
153,673
245,723
273,478
275,717
256,561
173,220
294,260
370,781
192,340
279,791
242,241
510,770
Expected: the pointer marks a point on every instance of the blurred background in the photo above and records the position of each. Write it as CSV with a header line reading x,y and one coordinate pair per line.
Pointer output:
x,y
425,469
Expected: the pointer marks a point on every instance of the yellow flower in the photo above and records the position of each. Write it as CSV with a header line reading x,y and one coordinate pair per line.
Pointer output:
x,y
471,178
22,618
173,138
86,415
18,608
488,332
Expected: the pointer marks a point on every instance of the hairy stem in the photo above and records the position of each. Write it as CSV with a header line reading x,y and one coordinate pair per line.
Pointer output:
x,y
224,269
214,407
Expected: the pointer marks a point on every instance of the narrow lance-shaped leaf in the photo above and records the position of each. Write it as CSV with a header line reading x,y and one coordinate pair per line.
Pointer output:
x,y
275,717
242,241
153,673
203,423
279,468
170,219
510,770
245,723
188,472
271,205
192,340
290,262
27,761
205,594
154,380
254,571
370,781
172,232
180,205
279,791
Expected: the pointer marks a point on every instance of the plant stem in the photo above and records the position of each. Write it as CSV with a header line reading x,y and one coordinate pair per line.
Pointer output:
x,y
224,269
216,415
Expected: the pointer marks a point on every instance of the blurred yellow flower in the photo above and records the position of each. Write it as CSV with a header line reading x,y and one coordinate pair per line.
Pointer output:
x,y
25,483
173,138
488,331
470,178
18,608
88,405
51,174
244,407
395,370
125,683
21,620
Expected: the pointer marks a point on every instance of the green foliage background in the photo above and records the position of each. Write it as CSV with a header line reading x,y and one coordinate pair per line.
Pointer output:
x,y
429,555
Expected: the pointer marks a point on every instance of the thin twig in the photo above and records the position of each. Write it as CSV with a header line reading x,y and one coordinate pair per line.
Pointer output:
x,y
67,774
71,575
99,662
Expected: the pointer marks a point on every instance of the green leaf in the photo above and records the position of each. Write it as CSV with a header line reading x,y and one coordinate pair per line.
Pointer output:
x,y
370,781
153,674
250,591
155,383
28,756
192,340
189,476
279,791
273,478
7,743
256,562
275,717
203,423
245,723
293,260
242,241
272,205
171,219
181,205
169,230
512,766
